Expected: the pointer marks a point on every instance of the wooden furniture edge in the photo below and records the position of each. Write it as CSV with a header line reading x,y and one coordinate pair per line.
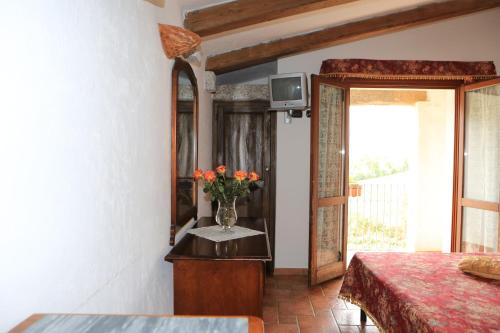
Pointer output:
x,y
290,271
255,325
25,324
171,257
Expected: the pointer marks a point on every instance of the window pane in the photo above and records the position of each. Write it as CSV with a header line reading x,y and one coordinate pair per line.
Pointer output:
x,y
331,143
479,230
482,144
329,235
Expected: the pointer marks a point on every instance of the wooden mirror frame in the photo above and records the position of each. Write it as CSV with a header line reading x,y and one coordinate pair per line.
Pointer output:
x,y
176,224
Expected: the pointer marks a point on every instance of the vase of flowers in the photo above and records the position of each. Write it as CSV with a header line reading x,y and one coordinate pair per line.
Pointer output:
x,y
225,190
226,214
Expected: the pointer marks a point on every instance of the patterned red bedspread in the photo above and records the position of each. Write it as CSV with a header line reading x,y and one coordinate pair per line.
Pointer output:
x,y
422,292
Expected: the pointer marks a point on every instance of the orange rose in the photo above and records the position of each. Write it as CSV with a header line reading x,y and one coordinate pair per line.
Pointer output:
x,y
221,169
210,176
253,176
198,174
240,175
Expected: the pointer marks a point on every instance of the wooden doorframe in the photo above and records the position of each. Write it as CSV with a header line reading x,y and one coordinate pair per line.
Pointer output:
x,y
271,221
461,202
455,85
315,274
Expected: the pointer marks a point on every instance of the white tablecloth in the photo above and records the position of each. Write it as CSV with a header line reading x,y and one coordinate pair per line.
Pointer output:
x,y
216,234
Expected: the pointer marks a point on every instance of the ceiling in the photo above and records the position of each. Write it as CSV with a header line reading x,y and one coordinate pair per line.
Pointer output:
x,y
294,25
188,5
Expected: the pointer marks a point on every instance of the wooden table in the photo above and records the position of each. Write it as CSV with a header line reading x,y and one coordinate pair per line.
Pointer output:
x,y
59,323
225,278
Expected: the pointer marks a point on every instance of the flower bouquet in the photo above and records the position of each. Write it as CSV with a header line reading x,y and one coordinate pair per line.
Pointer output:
x,y
225,190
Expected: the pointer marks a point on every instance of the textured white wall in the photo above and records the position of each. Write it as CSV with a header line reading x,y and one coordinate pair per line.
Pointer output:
x,y
433,178
85,157
472,37
204,137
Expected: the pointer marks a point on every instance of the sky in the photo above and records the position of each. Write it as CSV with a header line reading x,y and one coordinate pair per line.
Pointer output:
x,y
388,132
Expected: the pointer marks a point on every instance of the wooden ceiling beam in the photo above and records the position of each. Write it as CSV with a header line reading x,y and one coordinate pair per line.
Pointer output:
x,y
342,34
242,13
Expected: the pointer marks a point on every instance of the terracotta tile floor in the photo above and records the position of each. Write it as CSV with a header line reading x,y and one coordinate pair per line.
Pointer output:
x,y
291,307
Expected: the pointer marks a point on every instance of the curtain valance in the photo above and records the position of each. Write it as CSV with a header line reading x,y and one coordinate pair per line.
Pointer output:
x,y
408,69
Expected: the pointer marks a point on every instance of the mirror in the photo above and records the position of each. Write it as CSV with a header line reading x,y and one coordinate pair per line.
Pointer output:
x,y
184,147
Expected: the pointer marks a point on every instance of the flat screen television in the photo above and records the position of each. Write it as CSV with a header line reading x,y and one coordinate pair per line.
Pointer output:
x,y
288,91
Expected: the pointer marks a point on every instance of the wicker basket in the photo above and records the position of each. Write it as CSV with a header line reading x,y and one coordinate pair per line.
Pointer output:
x,y
178,41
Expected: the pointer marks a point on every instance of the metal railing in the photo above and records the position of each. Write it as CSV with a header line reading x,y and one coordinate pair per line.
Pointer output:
x,y
378,216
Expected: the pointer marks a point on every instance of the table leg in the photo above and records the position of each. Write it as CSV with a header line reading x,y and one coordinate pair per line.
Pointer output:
x,y
362,316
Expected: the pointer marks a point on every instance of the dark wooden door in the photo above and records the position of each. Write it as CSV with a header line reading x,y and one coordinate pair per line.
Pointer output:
x,y
244,138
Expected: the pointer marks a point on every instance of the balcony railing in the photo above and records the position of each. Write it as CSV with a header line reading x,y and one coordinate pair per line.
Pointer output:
x,y
378,216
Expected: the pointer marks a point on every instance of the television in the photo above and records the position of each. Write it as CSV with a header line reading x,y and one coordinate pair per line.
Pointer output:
x,y
288,91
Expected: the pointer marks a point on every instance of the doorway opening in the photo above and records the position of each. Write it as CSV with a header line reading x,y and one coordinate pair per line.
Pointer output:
x,y
401,159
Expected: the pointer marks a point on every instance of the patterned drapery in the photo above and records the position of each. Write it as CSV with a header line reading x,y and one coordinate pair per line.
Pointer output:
x,y
330,173
467,71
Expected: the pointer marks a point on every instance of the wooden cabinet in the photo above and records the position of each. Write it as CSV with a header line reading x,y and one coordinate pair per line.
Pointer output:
x,y
249,122
225,278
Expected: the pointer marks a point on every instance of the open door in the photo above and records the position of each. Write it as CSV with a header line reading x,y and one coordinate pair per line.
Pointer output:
x,y
329,180
478,199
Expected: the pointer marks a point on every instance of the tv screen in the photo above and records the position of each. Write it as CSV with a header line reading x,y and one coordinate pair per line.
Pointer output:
x,y
286,89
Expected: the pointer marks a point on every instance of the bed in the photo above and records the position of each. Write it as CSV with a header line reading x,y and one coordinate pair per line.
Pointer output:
x,y
421,292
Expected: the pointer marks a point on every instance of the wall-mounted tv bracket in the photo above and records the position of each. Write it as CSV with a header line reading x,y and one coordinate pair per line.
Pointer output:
x,y
294,113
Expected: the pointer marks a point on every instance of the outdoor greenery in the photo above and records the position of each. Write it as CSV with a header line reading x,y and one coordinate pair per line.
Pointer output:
x,y
378,220
371,167
370,235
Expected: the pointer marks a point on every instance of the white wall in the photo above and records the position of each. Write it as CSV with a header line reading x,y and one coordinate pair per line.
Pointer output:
x,y
433,172
204,136
472,37
85,157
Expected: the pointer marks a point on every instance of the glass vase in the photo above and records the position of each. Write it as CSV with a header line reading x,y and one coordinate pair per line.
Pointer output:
x,y
226,214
